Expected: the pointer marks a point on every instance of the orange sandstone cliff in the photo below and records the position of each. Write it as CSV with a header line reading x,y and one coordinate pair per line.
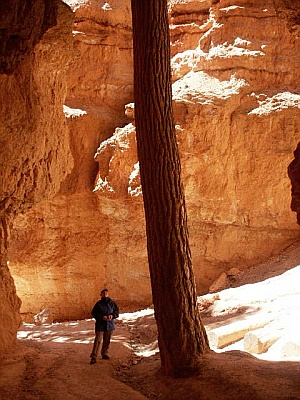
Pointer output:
x,y
237,106
60,253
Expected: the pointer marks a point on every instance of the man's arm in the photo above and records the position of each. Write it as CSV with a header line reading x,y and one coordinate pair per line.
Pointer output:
x,y
96,312
116,311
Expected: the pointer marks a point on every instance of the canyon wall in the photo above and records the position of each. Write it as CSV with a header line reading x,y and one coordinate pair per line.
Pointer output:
x,y
289,11
36,48
237,104
58,253
237,107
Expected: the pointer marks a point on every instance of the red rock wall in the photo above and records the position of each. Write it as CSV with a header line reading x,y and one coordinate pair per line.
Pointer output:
x,y
236,103
71,252
289,11
36,47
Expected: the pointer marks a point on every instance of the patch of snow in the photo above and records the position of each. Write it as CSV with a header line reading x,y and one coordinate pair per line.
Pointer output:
x,y
275,103
275,300
75,4
73,112
200,87
106,7
133,189
228,51
147,350
130,317
230,8
102,185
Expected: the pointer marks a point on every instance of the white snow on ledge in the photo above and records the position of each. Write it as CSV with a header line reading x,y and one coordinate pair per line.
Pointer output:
x,y
73,112
200,87
274,303
275,103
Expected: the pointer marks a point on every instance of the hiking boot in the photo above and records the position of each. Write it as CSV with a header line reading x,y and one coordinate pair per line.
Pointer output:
x,y
105,357
93,361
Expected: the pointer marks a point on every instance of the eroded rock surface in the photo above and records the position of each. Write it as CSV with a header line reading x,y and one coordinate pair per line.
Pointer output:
x,y
237,105
36,48
71,252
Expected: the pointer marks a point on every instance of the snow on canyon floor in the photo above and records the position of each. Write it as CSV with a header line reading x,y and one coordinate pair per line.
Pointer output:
x,y
254,332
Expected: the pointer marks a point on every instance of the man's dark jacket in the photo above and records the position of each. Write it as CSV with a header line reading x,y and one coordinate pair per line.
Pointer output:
x,y
105,307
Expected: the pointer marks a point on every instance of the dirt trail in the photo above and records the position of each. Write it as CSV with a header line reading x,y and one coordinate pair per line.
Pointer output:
x,y
51,370
51,362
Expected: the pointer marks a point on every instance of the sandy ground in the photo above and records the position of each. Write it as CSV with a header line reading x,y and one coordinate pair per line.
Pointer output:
x,y
51,362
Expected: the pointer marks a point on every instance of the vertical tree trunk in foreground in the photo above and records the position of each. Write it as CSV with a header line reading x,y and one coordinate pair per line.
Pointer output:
x,y
181,335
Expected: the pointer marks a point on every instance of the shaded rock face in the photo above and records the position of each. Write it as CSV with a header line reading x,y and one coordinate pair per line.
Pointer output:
x,y
67,243
294,175
35,154
289,10
22,26
236,103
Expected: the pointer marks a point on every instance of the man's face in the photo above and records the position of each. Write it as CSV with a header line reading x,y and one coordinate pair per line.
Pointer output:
x,y
104,294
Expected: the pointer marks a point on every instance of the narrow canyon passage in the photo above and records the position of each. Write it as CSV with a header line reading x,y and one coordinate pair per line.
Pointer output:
x,y
72,221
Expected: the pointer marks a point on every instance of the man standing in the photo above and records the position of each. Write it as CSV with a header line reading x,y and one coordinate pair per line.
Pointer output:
x,y
104,312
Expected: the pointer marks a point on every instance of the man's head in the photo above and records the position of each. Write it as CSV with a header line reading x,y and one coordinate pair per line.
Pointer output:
x,y
104,293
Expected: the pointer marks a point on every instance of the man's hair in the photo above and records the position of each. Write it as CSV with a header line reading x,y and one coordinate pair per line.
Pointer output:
x,y
104,290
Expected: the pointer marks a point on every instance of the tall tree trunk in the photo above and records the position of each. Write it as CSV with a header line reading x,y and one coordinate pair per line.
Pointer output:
x,y
181,335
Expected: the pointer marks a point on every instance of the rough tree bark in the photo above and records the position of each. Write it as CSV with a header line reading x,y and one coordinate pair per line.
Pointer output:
x,y
181,335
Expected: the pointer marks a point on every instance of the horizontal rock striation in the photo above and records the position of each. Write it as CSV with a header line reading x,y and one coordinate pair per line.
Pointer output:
x,y
236,103
71,253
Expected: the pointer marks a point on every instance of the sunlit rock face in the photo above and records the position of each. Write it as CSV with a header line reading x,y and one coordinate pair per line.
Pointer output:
x,y
100,81
35,154
236,103
237,108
